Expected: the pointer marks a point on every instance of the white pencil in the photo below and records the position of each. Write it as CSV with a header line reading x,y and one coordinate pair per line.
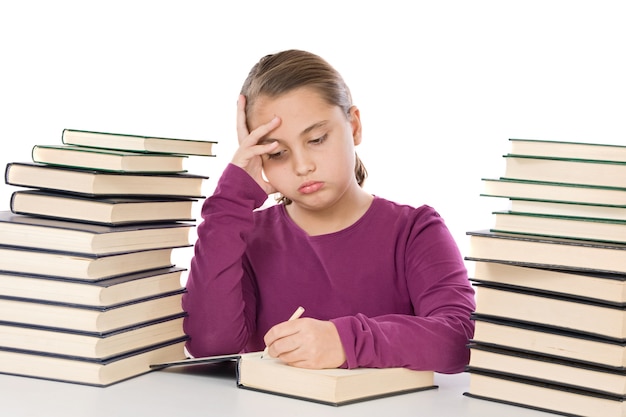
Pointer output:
x,y
296,315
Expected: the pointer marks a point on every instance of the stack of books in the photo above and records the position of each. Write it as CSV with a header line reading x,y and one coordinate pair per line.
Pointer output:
x,y
88,291
550,279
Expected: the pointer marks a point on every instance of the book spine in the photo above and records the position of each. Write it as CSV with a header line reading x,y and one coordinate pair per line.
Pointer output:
x,y
6,173
12,202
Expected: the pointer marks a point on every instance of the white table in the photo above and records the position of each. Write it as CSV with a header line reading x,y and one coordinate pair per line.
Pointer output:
x,y
211,391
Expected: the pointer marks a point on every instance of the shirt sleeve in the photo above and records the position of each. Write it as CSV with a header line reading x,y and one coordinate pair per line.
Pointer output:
x,y
436,336
220,299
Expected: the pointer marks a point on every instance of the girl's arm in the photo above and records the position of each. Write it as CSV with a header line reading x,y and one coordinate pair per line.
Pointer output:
x,y
436,336
220,299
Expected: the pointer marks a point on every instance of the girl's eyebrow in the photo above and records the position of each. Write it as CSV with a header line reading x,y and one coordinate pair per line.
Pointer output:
x,y
306,131
313,127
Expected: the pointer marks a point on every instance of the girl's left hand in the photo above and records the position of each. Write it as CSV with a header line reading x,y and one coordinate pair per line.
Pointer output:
x,y
306,343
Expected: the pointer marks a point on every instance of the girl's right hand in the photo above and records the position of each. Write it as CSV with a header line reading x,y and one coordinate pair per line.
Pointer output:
x,y
248,155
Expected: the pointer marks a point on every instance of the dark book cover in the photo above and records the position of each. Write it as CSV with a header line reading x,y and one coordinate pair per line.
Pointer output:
x,y
94,229
586,273
549,294
543,385
60,196
42,258
99,362
549,252
44,169
105,282
102,309
236,358
474,346
66,132
548,240
100,335
541,328
61,289
565,315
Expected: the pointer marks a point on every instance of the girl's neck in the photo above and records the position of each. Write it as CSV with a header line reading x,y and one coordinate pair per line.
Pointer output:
x,y
332,219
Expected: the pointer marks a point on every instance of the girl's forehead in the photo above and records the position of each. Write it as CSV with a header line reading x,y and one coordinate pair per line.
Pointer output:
x,y
298,106
303,94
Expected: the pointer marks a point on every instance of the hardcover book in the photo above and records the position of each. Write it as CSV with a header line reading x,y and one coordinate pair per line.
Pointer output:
x,y
90,318
96,372
588,285
584,210
105,292
81,266
604,320
541,396
548,341
327,386
107,211
90,345
564,149
67,236
571,374
548,252
559,226
555,192
138,143
102,183
569,171
107,159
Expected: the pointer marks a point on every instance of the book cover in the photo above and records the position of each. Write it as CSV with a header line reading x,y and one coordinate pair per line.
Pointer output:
x,y
107,159
95,372
89,267
565,313
96,319
588,285
552,398
138,143
568,209
111,211
549,341
602,230
554,192
548,252
101,183
539,368
90,345
67,236
326,386
105,292
569,171
567,149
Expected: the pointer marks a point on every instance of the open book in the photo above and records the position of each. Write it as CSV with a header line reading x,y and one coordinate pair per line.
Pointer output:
x,y
327,386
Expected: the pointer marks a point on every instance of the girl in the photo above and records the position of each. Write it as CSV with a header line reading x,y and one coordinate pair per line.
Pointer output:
x,y
383,284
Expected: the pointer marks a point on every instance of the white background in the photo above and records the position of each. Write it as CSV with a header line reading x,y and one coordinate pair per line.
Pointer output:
x,y
441,85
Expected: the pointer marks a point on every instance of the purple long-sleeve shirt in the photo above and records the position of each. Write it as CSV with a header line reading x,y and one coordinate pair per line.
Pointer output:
x,y
393,283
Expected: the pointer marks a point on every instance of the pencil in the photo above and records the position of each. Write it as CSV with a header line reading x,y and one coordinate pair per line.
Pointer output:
x,y
296,314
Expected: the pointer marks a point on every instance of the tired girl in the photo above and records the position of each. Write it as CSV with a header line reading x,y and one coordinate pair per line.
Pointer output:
x,y
383,284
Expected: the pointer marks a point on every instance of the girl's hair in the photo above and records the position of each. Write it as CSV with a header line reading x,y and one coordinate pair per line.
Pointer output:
x,y
280,73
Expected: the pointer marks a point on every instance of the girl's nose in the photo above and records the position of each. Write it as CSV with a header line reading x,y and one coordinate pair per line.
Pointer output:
x,y
302,163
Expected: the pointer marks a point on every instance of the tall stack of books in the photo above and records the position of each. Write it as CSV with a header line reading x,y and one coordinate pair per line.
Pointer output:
x,y
550,281
88,291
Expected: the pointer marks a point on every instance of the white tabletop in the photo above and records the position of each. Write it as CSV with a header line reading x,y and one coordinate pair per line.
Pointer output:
x,y
211,391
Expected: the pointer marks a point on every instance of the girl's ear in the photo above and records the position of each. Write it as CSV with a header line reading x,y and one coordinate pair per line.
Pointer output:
x,y
355,122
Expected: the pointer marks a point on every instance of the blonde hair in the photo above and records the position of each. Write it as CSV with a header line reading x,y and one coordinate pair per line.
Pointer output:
x,y
280,73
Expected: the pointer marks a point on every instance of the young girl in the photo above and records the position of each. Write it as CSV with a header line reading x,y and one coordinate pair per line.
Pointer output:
x,y
383,284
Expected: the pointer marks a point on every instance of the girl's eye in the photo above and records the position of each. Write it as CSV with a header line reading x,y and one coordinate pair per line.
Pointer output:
x,y
318,140
275,155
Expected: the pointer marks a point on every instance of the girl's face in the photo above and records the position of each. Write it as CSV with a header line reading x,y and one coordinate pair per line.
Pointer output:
x,y
314,163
